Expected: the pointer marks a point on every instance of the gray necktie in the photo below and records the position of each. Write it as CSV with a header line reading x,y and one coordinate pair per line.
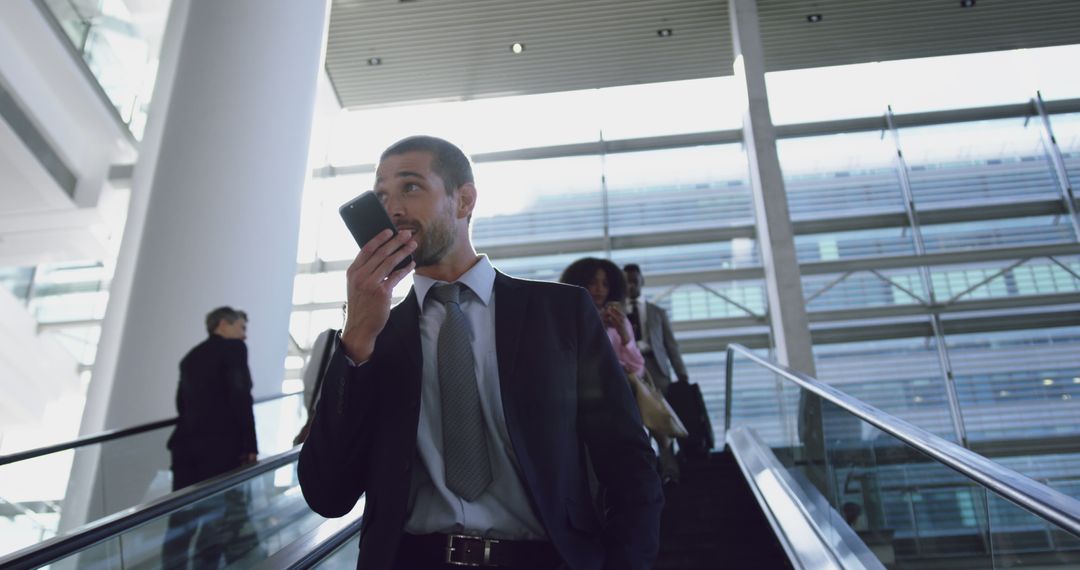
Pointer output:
x,y
465,455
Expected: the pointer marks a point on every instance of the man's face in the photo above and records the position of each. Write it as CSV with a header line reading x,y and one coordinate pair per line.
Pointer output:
x,y
416,199
634,281
236,330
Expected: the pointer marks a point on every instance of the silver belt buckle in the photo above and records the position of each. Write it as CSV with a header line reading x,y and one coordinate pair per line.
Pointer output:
x,y
459,542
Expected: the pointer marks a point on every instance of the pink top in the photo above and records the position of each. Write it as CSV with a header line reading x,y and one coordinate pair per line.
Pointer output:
x,y
629,355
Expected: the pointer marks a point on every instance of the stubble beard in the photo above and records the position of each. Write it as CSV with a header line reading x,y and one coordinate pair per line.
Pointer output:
x,y
439,239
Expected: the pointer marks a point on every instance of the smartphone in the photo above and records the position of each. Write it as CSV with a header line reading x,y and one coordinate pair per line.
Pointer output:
x,y
365,217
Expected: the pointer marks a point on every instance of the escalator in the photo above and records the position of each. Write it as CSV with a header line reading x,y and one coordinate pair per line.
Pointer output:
x,y
826,481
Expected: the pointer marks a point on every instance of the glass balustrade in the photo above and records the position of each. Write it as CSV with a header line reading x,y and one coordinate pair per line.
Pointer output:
x,y
52,494
909,509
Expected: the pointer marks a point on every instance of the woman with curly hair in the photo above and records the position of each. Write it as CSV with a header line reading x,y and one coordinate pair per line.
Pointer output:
x,y
607,286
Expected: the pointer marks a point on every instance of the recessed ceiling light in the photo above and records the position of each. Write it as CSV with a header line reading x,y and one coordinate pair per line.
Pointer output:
x,y
813,18
967,3
1048,381
664,32
517,47
374,61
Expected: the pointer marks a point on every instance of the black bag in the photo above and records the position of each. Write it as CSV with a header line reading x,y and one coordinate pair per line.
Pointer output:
x,y
686,399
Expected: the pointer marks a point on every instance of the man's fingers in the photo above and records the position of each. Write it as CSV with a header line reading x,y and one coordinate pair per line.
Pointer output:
x,y
394,278
369,264
387,266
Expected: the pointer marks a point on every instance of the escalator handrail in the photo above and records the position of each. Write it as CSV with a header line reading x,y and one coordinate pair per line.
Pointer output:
x,y
1051,505
109,435
56,548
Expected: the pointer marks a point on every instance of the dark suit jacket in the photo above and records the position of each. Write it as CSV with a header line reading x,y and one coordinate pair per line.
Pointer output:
x,y
563,393
216,424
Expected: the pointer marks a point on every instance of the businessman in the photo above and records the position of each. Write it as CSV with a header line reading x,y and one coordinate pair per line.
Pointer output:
x,y
215,433
472,414
652,330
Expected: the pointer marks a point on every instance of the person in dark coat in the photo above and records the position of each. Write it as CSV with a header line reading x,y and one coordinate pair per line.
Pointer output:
x,y
468,415
215,433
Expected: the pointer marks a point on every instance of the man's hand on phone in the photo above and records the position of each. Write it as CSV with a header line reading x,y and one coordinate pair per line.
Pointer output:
x,y
370,282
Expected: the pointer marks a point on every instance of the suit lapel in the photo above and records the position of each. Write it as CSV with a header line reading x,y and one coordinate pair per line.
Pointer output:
x,y
405,322
511,300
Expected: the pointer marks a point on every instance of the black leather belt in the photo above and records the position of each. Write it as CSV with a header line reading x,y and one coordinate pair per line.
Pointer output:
x,y
464,550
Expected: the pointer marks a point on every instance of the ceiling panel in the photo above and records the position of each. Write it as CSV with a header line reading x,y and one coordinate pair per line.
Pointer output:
x,y
437,50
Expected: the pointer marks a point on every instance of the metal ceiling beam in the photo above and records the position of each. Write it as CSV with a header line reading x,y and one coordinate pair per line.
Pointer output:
x,y
1003,210
732,136
876,330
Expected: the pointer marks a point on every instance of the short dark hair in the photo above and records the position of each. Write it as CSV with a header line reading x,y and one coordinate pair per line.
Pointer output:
x,y
582,271
632,267
227,314
448,161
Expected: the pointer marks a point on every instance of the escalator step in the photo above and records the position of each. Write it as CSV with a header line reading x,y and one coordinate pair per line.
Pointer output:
x,y
712,520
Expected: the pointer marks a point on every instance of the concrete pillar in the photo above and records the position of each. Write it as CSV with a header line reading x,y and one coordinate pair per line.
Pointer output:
x,y
776,237
214,216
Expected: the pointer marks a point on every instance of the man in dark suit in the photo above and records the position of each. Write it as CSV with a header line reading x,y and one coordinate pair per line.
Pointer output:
x,y
655,340
471,413
215,433
652,330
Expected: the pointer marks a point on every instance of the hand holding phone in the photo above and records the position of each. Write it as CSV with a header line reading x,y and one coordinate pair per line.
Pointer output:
x,y
365,217
384,260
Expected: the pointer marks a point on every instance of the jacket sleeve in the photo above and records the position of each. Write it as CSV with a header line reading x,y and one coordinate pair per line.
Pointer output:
x,y
238,382
333,468
625,465
672,346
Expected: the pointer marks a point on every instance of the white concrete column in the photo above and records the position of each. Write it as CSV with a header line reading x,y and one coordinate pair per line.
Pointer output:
x,y
215,212
776,238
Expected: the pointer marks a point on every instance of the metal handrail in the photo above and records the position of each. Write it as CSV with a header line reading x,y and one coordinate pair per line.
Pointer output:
x,y
110,435
1026,493
56,548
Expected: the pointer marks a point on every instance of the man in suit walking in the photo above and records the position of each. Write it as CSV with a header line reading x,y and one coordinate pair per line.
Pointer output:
x,y
471,412
652,330
215,433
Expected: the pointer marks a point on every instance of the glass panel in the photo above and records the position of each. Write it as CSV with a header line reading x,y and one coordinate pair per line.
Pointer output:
x,y
538,201
923,84
113,43
859,244
240,526
983,163
131,471
677,189
17,280
699,301
1023,540
901,377
344,558
1067,132
909,510
840,175
884,288
1021,387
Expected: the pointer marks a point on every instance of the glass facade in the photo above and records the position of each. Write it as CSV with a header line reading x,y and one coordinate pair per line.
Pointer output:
x,y
999,262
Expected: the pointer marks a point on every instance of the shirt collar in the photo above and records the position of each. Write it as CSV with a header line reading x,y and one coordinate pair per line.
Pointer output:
x,y
480,279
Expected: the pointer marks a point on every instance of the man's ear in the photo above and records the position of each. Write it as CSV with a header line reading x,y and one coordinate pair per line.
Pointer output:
x,y
466,200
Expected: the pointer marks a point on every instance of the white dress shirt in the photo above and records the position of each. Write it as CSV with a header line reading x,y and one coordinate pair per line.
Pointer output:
x,y
503,511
